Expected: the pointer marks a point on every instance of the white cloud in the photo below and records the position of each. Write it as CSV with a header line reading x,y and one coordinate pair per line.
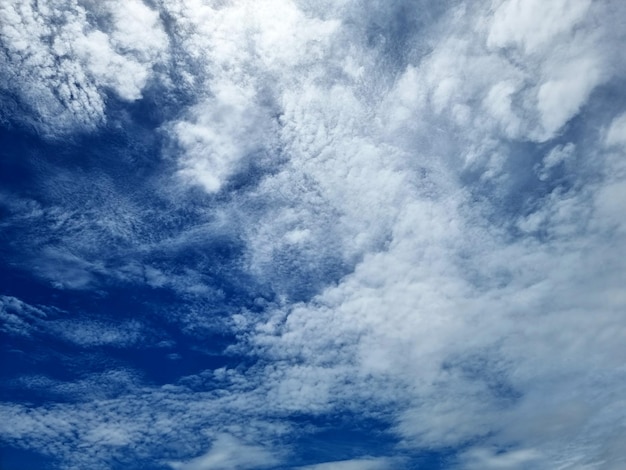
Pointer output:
x,y
22,319
380,463
97,386
169,420
439,317
610,204
90,333
561,96
137,30
561,154
487,459
62,65
244,55
124,76
616,135
532,73
428,294
533,24
412,318
228,453
220,133
499,103
19,318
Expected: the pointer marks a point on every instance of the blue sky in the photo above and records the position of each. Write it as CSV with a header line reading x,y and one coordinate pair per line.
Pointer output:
x,y
315,235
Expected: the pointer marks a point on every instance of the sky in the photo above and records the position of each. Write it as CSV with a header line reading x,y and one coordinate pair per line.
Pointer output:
x,y
312,234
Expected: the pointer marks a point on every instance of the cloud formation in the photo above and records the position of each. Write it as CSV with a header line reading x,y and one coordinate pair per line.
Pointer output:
x,y
228,453
63,57
355,464
404,217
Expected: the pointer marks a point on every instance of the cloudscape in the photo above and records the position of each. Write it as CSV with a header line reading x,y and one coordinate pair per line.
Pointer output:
x,y
312,234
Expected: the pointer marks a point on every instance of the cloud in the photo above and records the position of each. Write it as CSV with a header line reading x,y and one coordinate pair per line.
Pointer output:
x,y
561,96
220,134
617,132
126,420
381,463
96,386
446,306
229,453
86,333
431,243
19,318
62,63
249,54
486,459
561,154
534,24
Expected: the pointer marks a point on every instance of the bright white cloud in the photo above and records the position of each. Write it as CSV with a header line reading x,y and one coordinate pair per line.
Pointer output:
x,y
228,453
244,56
62,65
533,24
561,96
445,308
220,133
617,132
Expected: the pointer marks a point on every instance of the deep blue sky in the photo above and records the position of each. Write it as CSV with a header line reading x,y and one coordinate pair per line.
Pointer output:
x,y
287,234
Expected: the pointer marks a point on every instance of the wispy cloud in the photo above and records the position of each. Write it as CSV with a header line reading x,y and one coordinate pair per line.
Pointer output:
x,y
228,453
19,318
355,464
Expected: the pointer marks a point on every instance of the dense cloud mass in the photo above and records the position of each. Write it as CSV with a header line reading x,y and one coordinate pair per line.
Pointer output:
x,y
294,234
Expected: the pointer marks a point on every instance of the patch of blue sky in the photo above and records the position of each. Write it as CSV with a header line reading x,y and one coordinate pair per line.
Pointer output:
x,y
16,458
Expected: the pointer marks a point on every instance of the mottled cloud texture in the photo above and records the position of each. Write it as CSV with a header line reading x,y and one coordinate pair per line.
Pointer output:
x,y
433,194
